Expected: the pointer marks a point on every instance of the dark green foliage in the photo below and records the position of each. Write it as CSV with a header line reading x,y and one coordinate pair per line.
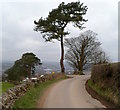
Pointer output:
x,y
16,73
23,67
30,59
53,26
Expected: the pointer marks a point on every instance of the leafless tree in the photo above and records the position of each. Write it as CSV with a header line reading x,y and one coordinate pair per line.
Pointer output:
x,y
84,50
100,57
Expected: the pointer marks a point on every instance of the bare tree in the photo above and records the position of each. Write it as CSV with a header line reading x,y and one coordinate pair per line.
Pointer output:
x,y
100,57
84,50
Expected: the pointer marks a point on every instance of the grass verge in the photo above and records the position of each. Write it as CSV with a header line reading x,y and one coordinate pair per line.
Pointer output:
x,y
30,99
5,86
107,94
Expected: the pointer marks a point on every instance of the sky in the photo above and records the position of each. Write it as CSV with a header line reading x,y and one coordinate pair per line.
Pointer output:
x,y
18,37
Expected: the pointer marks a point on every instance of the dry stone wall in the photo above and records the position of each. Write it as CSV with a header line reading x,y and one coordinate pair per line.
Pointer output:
x,y
8,98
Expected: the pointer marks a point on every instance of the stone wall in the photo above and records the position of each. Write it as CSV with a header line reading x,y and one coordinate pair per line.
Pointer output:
x,y
9,97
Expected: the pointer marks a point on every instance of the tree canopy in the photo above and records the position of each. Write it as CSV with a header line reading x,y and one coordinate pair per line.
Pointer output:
x,y
84,50
53,26
23,67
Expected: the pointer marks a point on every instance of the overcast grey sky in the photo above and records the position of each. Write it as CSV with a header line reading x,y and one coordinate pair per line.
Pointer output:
x,y
18,37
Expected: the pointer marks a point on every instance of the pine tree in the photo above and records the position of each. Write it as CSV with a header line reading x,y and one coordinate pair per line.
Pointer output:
x,y
53,26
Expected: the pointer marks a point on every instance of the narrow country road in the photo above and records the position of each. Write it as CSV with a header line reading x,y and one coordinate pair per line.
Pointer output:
x,y
70,93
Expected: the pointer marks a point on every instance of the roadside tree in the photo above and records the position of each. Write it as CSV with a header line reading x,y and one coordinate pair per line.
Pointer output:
x,y
53,26
24,67
84,50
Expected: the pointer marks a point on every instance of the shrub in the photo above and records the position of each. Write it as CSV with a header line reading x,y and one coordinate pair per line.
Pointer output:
x,y
106,76
16,73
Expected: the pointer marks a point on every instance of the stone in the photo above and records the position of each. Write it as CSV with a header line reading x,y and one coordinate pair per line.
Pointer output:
x,y
8,98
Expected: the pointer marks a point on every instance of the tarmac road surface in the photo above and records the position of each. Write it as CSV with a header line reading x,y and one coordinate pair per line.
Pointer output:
x,y
70,93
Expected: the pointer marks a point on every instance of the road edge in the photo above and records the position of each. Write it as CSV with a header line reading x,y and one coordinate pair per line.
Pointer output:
x,y
95,95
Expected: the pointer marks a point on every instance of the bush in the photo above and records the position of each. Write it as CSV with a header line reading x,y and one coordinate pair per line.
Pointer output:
x,y
23,67
105,73
107,76
108,94
16,73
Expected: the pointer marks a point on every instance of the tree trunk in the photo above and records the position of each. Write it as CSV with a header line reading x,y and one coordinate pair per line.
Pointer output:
x,y
81,59
29,72
81,67
62,56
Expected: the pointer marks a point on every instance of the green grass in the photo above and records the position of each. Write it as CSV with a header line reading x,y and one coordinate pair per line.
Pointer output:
x,y
30,99
107,93
4,86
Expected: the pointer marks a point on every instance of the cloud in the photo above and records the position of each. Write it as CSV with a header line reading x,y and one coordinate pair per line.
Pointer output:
x,y
18,35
